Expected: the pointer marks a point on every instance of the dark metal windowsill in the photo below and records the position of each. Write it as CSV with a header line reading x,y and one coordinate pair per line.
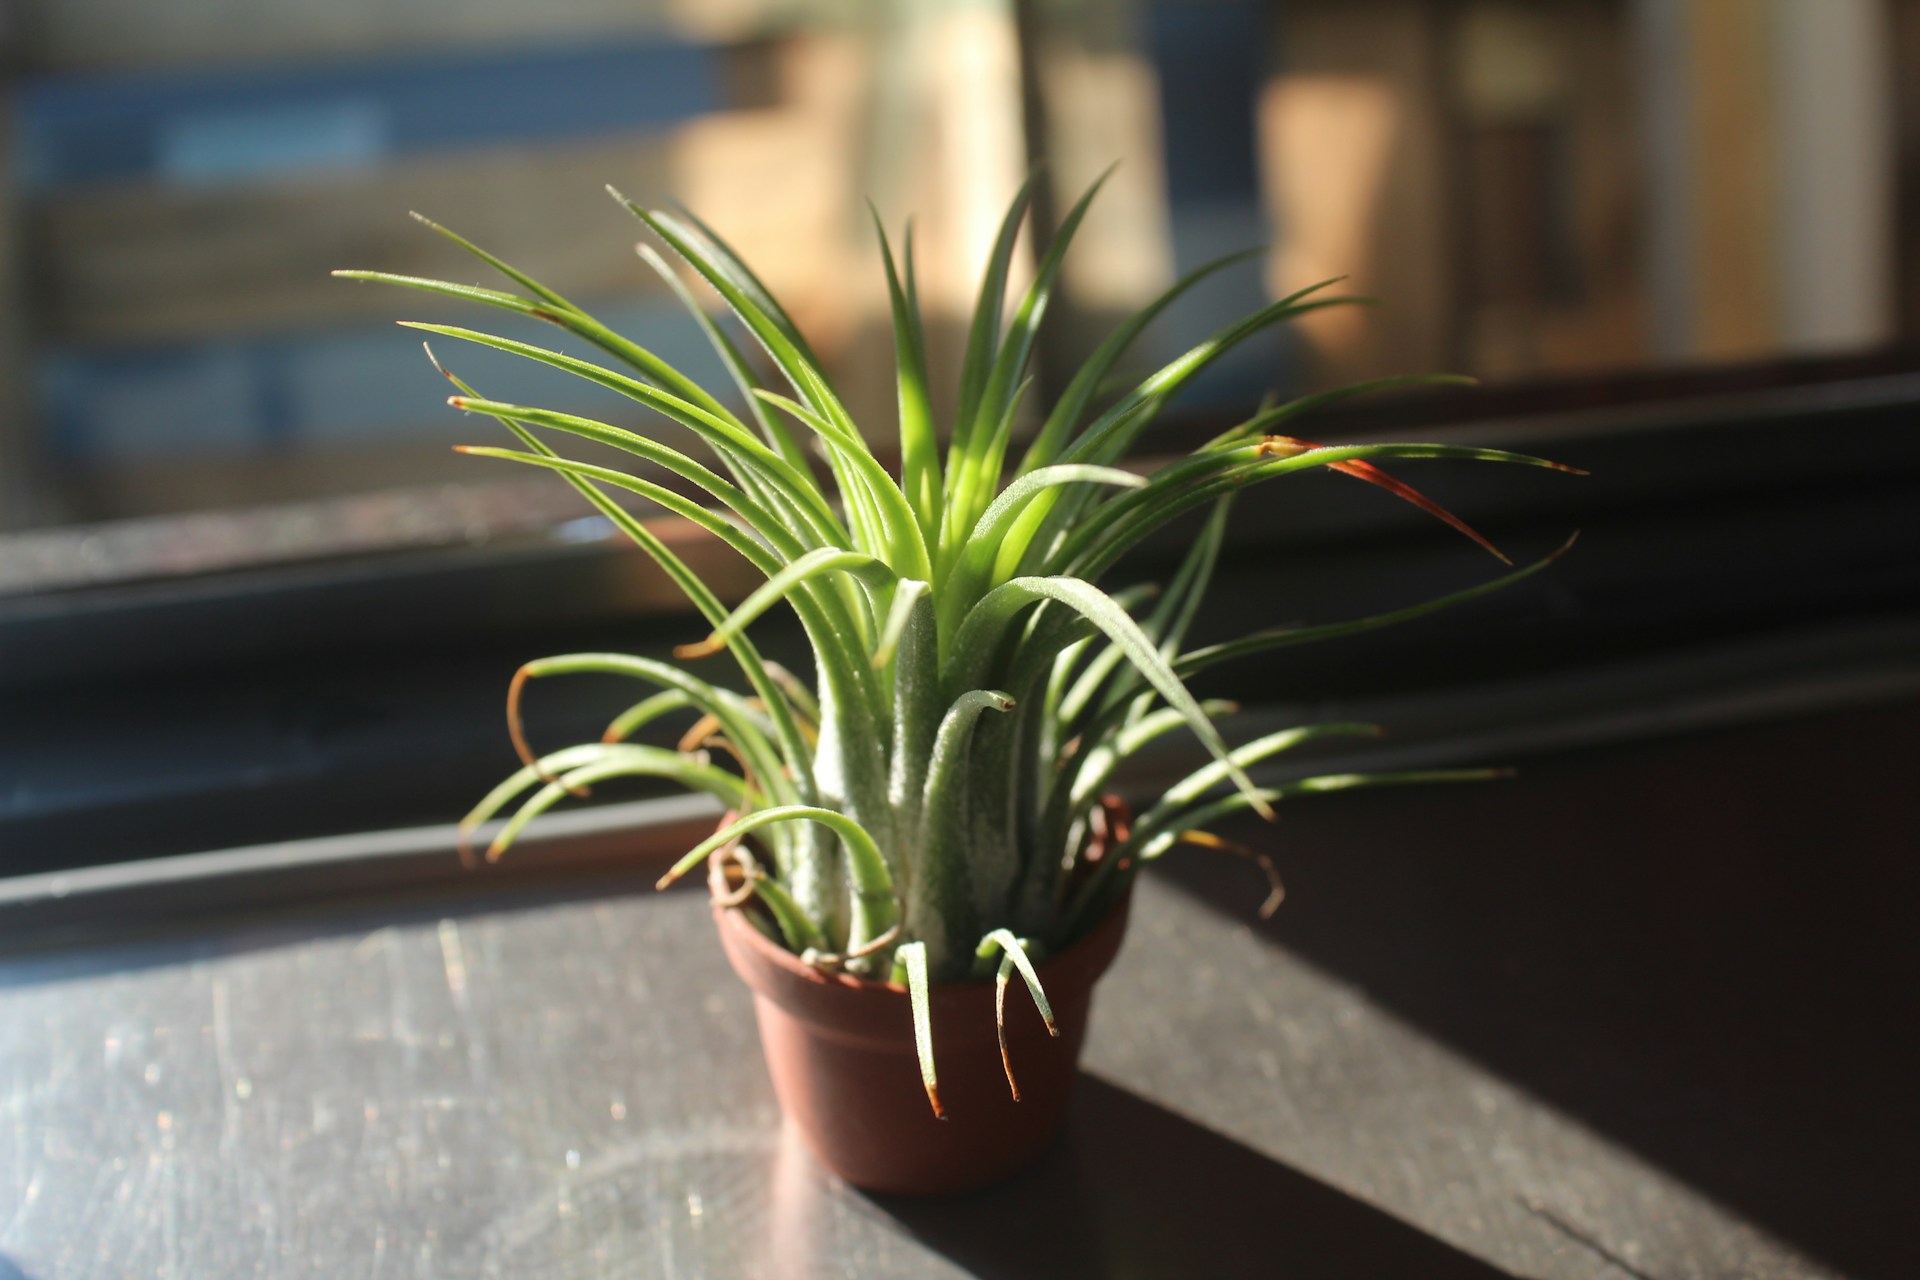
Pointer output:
x,y
1482,1039
1626,1014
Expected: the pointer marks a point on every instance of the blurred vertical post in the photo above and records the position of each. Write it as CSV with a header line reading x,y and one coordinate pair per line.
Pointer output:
x,y
1769,155
948,148
24,497
1834,173
1903,50
1095,102
1356,153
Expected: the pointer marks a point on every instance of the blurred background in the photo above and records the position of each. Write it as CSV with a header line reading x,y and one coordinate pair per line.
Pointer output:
x,y
1535,191
248,593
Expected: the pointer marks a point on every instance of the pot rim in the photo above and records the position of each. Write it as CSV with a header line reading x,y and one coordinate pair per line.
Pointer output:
x,y
1098,944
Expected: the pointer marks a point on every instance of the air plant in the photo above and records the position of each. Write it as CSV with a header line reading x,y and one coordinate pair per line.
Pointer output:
x,y
929,808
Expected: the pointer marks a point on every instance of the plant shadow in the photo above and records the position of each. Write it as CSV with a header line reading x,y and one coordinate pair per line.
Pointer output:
x,y
1700,948
1133,1189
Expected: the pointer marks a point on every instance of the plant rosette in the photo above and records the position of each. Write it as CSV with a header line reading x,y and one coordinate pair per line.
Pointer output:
x,y
920,821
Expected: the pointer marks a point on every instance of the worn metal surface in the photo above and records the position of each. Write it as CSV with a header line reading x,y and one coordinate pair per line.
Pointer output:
x,y
571,1087
575,1090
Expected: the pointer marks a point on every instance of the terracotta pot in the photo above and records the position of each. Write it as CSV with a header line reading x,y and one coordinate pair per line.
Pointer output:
x,y
840,1050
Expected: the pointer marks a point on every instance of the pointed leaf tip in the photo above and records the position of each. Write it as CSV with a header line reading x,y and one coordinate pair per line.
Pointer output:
x,y
700,648
913,956
1000,1023
1373,475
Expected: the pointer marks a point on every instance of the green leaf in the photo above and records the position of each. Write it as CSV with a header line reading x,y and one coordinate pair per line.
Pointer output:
x,y
940,895
763,318
1151,839
1284,637
794,486
1267,419
905,596
623,762
715,249
903,547
792,745
1073,402
771,429
643,713
998,518
993,535
917,712
835,635
729,709
817,563
1205,778
919,447
913,956
572,320
1111,434
548,766
982,460
1016,951
1109,748
796,926
1167,624
520,278
1105,535
1014,955
983,337
874,909
684,507
980,631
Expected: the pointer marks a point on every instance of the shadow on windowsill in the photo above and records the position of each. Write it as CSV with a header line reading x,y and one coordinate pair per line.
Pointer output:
x,y
1134,1189
1699,947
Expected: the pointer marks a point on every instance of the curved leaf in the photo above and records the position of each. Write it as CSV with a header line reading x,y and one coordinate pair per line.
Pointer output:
x,y
622,762
817,563
980,631
1014,956
874,909
1263,641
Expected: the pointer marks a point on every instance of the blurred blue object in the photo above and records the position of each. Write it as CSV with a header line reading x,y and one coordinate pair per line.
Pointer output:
x,y
258,120
335,388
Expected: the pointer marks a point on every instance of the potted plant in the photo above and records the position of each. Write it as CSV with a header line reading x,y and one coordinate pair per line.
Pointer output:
x,y
927,814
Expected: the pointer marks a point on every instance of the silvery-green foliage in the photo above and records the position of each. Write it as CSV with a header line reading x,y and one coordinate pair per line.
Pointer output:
x,y
928,802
